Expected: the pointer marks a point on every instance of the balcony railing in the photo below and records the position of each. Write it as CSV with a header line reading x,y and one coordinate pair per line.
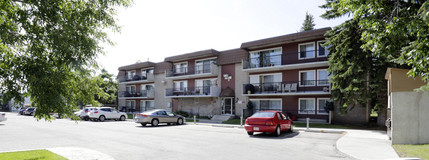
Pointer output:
x,y
193,70
287,87
282,59
142,94
208,91
148,77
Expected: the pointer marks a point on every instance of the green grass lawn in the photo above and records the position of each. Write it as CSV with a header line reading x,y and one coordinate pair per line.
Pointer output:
x,y
130,116
233,121
420,151
191,120
31,155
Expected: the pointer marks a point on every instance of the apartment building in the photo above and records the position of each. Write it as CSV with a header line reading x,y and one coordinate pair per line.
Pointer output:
x,y
287,73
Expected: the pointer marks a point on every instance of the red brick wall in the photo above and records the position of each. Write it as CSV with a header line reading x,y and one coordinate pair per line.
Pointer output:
x,y
230,70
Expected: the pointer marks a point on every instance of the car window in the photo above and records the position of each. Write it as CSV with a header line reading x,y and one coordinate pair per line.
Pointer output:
x,y
263,114
284,117
106,109
279,116
170,114
162,113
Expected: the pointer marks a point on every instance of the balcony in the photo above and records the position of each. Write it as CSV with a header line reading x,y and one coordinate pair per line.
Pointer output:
x,y
209,91
310,87
192,72
137,95
284,61
149,77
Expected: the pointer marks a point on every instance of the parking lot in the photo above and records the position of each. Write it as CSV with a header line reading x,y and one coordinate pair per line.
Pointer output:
x,y
128,140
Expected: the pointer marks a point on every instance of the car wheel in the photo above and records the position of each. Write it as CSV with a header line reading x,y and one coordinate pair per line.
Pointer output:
x,y
101,118
250,133
180,121
278,132
31,113
143,124
85,118
122,118
155,122
291,128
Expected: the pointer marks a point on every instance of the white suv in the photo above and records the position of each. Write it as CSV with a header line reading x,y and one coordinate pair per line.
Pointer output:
x,y
104,113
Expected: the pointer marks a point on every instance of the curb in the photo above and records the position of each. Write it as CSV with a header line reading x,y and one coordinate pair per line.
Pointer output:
x,y
70,153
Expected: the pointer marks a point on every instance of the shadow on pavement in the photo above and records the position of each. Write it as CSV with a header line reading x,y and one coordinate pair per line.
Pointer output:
x,y
284,135
160,125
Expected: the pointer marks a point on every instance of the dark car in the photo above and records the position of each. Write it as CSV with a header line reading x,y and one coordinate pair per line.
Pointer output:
x,y
21,111
268,121
29,111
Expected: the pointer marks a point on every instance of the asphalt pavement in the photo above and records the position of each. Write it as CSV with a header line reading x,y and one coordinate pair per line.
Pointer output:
x,y
128,140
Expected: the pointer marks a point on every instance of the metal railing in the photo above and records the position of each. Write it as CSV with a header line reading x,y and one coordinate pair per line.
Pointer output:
x,y
142,93
303,113
282,59
192,70
147,76
191,91
287,87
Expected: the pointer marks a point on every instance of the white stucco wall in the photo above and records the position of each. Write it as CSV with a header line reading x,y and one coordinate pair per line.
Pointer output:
x,y
241,78
410,117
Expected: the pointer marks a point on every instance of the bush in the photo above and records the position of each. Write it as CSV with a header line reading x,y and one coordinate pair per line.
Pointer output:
x,y
182,113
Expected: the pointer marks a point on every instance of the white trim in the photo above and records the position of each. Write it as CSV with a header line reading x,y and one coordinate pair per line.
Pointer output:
x,y
319,105
299,78
317,44
181,63
299,105
318,80
215,58
264,74
299,50
250,52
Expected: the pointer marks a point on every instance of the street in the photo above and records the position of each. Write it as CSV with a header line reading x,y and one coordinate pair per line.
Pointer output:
x,y
128,140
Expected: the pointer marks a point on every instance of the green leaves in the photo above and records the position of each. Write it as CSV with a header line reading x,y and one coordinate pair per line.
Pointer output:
x,y
48,50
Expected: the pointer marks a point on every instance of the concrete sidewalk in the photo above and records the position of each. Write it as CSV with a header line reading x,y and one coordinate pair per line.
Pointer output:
x,y
359,144
74,153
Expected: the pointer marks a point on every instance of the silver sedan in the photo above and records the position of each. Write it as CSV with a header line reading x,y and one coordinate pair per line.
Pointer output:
x,y
157,116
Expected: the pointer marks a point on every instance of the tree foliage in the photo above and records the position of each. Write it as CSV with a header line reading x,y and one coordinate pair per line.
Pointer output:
x,y
380,34
308,23
109,87
48,50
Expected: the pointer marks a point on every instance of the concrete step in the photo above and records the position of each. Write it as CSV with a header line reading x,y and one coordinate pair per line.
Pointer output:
x,y
222,118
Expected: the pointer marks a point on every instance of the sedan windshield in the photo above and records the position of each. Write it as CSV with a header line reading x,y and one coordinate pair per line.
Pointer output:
x,y
263,114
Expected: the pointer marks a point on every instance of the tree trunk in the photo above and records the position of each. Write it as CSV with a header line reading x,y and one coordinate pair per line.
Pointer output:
x,y
368,101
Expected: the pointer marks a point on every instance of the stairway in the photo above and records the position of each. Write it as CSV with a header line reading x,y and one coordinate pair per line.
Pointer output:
x,y
222,118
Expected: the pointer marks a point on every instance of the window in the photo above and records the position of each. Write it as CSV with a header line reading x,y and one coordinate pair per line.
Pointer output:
x,y
265,58
306,106
146,105
306,78
322,77
131,89
267,104
267,82
131,104
145,72
306,50
181,67
202,86
203,66
321,104
180,85
130,75
322,51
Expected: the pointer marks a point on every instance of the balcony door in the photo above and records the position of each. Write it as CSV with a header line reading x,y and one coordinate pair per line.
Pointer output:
x,y
266,83
228,106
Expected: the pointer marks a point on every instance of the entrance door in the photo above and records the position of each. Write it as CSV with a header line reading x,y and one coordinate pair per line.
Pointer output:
x,y
228,106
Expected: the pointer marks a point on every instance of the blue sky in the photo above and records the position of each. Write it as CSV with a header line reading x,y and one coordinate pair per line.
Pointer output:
x,y
157,29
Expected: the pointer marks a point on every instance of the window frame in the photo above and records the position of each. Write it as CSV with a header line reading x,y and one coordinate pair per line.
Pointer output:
x,y
314,106
326,53
318,80
327,99
128,74
185,86
300,80
261,50
131,86
299,50
180,63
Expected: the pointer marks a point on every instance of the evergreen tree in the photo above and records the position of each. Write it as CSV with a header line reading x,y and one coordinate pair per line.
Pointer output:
x,y
308,22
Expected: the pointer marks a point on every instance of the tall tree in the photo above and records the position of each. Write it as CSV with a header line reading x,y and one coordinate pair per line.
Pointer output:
x,y
109,87
308,22
383,33
48,50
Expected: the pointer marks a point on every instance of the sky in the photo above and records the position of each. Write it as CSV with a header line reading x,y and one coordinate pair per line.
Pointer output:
x,y
155,29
